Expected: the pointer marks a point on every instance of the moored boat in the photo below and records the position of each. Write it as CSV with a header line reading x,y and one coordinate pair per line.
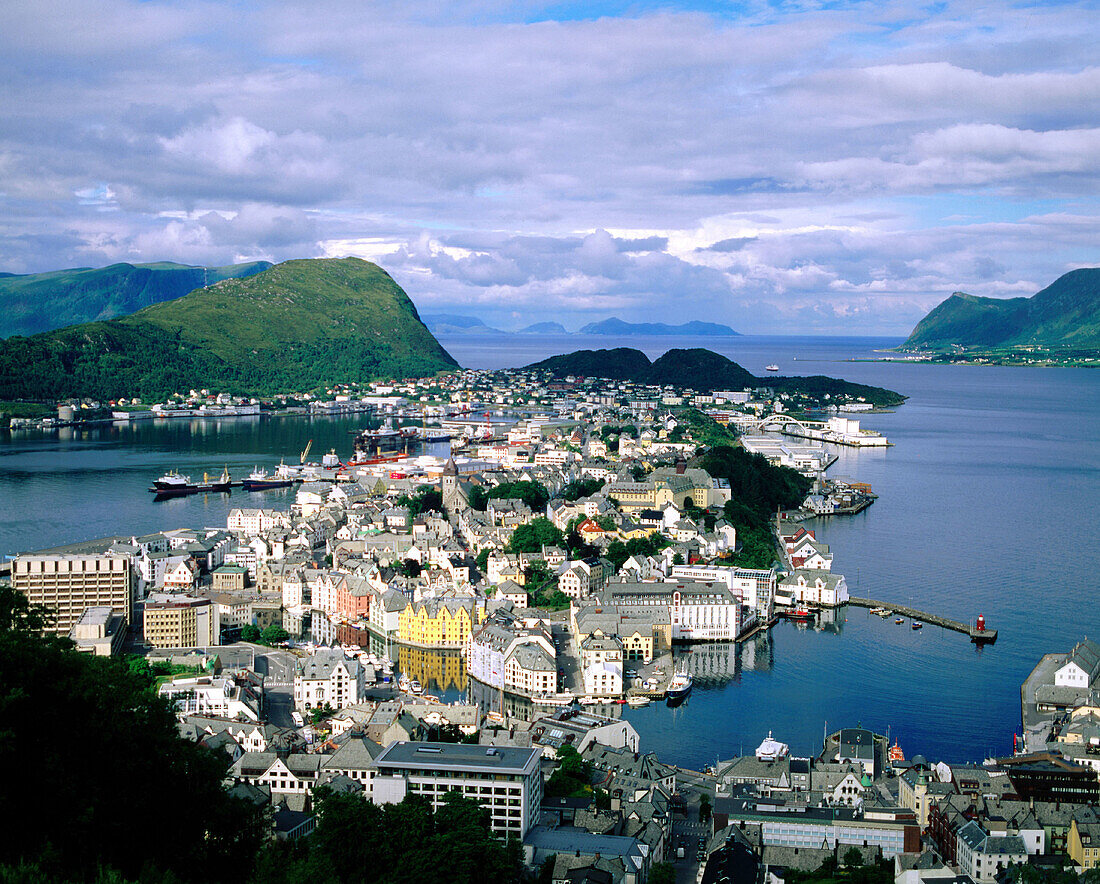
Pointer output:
x,y
259,480
637,701
680,686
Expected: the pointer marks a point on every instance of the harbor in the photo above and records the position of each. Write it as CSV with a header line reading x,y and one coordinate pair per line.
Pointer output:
x,y
978,633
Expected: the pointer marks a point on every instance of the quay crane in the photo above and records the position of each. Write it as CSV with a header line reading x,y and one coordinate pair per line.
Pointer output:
x,y
305,453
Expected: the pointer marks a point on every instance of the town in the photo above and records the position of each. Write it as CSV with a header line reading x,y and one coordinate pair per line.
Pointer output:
x,y
573,536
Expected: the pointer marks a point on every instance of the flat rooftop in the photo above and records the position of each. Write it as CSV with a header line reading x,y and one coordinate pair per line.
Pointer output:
x,y
458,757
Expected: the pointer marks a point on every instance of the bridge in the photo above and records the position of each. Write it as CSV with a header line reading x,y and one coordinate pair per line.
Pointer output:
x,y
978,636
784,419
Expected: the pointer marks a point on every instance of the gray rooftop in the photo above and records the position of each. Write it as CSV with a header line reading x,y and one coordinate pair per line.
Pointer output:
x,y
457,757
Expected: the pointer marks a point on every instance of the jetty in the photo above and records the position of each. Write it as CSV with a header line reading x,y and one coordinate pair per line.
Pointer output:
x,y
980,636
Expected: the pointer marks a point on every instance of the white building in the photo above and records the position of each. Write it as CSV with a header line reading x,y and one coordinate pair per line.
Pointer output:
x,y
505,780
756,587
328,678
809,586
205,695
602,666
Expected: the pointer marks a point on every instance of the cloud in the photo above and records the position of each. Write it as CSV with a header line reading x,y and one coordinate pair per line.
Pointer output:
x,y
767,165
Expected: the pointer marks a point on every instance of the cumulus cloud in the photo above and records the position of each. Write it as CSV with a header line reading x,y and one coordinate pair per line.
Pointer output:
x,y
834,169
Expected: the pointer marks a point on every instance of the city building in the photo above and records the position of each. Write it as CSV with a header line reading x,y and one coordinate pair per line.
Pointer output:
x,y
328,678
505,780
180,621
69,584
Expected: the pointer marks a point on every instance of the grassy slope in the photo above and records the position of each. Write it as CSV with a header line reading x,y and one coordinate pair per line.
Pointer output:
x,y
297,326
40,302
1064,314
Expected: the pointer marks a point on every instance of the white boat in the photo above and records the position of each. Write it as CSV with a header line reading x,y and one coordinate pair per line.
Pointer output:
x,y
415,687
680,686
637,701
772,367
588,701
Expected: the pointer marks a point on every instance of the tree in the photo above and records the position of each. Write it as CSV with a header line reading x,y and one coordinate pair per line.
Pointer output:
x,y
59,710
274,634
534,535
533,494
704,808
852,857
662,873
677,559
251,633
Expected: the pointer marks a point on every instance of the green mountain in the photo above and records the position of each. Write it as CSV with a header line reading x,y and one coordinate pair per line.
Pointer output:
x,y
1064,314
39,302
615,326
296,326
702,370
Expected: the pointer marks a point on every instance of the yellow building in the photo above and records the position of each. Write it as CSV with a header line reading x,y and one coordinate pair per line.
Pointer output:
x,y
440,623
1083,844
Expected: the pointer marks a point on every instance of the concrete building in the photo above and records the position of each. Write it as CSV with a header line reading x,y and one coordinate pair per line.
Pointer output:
x,y
180,621
70,584
99,631
602,666
505,780
983,857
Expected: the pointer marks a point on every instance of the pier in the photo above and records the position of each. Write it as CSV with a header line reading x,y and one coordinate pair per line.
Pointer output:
x,y
978,636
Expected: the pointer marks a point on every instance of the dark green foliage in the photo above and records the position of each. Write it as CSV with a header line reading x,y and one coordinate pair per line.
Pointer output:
x,y
1064,314
662,873
426,499
852,857
251,633
581,488
704,807
410,568
534,494
757,488
92,756
620,364
301,325
542,588
39,302
362,843
618,552
701,370
534,535
573,777
274,634
478,498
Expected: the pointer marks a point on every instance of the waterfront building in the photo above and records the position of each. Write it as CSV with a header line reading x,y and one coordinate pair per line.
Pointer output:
x,y
505,780
180,621
756,586
69,584
445,622
602,666
809,586
512,654
697,611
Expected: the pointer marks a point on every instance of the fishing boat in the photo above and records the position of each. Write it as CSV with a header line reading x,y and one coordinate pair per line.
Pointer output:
x,y
259,480
800,614
172,483
680,686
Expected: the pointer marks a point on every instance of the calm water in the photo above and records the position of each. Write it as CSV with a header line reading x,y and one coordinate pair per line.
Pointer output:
x,y
986,501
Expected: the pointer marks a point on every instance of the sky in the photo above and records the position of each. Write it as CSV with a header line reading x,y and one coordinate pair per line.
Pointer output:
x,y
811,167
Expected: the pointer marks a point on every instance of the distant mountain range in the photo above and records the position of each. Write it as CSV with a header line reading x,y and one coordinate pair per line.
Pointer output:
x,y
1066,314
38,302
702,370
296,326
619,327
454,324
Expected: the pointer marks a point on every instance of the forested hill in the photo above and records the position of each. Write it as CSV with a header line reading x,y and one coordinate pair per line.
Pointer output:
x,y
1064,314
300,325
39,302
703,371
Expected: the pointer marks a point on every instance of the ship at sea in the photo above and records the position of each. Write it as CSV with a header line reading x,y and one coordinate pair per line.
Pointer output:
x,y
173,483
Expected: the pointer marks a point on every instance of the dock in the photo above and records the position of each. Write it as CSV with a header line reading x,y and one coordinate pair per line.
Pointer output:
x,y
978,636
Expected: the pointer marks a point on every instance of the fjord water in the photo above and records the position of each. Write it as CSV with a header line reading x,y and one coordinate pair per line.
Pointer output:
x,y
986,505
